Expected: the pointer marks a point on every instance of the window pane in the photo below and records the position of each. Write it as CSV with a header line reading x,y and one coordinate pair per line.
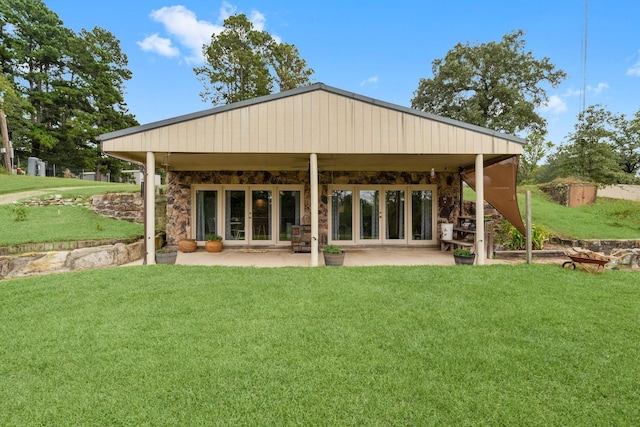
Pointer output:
x,y
421,215
206,213
235,209
261,214
289,213
369,214
394,214
341,215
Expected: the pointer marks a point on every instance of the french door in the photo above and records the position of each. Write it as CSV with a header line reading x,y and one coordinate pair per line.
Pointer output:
x,y
382,214
247,215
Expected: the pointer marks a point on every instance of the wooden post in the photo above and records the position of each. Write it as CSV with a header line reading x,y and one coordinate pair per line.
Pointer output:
x,y
5,139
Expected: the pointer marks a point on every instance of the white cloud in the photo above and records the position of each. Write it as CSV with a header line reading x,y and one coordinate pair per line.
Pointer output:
x,y
635,68
371,80
555,105
596,90
159,45
258,20
226,10
188,31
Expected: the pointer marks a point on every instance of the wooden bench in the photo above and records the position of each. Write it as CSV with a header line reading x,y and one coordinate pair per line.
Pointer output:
x,y
446,245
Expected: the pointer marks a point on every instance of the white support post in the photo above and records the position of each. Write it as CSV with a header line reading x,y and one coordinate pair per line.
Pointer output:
x,y
480,252
313,178
150,208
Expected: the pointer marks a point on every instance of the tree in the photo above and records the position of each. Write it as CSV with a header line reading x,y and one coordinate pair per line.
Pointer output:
x,y
72,85
626,142
497,85
244,63
589,154
36,42
532,153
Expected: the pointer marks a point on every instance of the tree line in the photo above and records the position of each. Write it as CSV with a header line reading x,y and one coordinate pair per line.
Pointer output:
x,y
61,89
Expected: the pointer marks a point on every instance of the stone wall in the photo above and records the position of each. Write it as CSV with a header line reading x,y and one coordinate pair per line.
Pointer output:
x,y
124,206
179,192
63,261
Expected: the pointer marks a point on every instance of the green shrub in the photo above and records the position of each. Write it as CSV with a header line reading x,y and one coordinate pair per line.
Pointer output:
x,y
462,252
19,213
332,249
515,240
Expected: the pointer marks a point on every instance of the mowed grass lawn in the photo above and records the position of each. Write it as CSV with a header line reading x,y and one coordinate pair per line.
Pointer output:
x,y
431,345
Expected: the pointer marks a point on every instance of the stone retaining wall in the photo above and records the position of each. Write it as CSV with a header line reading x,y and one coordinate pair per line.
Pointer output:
x,y
63,261
124,206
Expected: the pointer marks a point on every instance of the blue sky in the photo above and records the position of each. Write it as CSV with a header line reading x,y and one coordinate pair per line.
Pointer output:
x,y
374,48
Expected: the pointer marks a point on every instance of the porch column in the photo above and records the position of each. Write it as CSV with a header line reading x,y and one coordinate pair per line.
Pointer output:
x,y
313,183
150,208
480,254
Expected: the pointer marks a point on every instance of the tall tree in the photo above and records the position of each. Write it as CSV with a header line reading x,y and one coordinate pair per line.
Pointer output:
x,y
244,63
497,85
73,84
589,154
533,152
37,43
626,143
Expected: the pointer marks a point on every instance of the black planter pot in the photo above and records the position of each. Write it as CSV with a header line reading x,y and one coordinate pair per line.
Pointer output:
x,y
464,259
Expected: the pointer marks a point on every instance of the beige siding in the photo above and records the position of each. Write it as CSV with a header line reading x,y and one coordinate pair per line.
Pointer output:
x,y
318,121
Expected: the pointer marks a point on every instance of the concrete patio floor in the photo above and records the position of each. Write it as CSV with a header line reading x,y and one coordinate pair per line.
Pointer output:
x,y
283,257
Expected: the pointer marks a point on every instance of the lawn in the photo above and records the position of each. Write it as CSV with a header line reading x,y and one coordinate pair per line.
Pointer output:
x,y
20,183
61,224
179,345
605,219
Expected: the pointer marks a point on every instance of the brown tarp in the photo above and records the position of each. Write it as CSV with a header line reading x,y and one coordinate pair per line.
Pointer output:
x,y
500,188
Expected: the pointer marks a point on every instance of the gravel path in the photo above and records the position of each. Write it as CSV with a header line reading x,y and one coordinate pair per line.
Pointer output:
x,y
6,199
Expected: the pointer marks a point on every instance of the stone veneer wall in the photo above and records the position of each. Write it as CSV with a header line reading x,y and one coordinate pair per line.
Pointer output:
x,y
179,192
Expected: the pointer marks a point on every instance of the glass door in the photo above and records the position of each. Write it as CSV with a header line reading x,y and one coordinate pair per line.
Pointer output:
x,y
422,215
235,215
370,214
394,216
206,213
289,213
341,215
261,216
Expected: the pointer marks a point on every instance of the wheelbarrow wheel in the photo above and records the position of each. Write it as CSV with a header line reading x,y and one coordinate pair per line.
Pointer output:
x,y
569,264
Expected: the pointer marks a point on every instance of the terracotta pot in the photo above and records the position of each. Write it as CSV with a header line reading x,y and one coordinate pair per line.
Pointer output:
x,y
187,245
213,246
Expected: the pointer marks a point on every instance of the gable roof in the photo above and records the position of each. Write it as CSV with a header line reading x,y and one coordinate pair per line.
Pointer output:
x,y
281,129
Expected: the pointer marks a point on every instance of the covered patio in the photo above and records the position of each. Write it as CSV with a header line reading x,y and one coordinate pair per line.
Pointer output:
x,y
359,171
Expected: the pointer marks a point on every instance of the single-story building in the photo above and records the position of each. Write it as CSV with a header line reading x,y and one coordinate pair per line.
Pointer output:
x,y
359,171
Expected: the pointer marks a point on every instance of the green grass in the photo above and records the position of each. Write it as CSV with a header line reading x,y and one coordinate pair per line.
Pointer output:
x,y
606,219
180,345
20,183
62,223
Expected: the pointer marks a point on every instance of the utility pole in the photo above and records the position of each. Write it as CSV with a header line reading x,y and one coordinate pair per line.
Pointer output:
x,y
5,138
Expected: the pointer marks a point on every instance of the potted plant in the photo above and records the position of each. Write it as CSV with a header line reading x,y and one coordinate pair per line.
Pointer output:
x,y
166,255
333,255
213,242
187,245
464,256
